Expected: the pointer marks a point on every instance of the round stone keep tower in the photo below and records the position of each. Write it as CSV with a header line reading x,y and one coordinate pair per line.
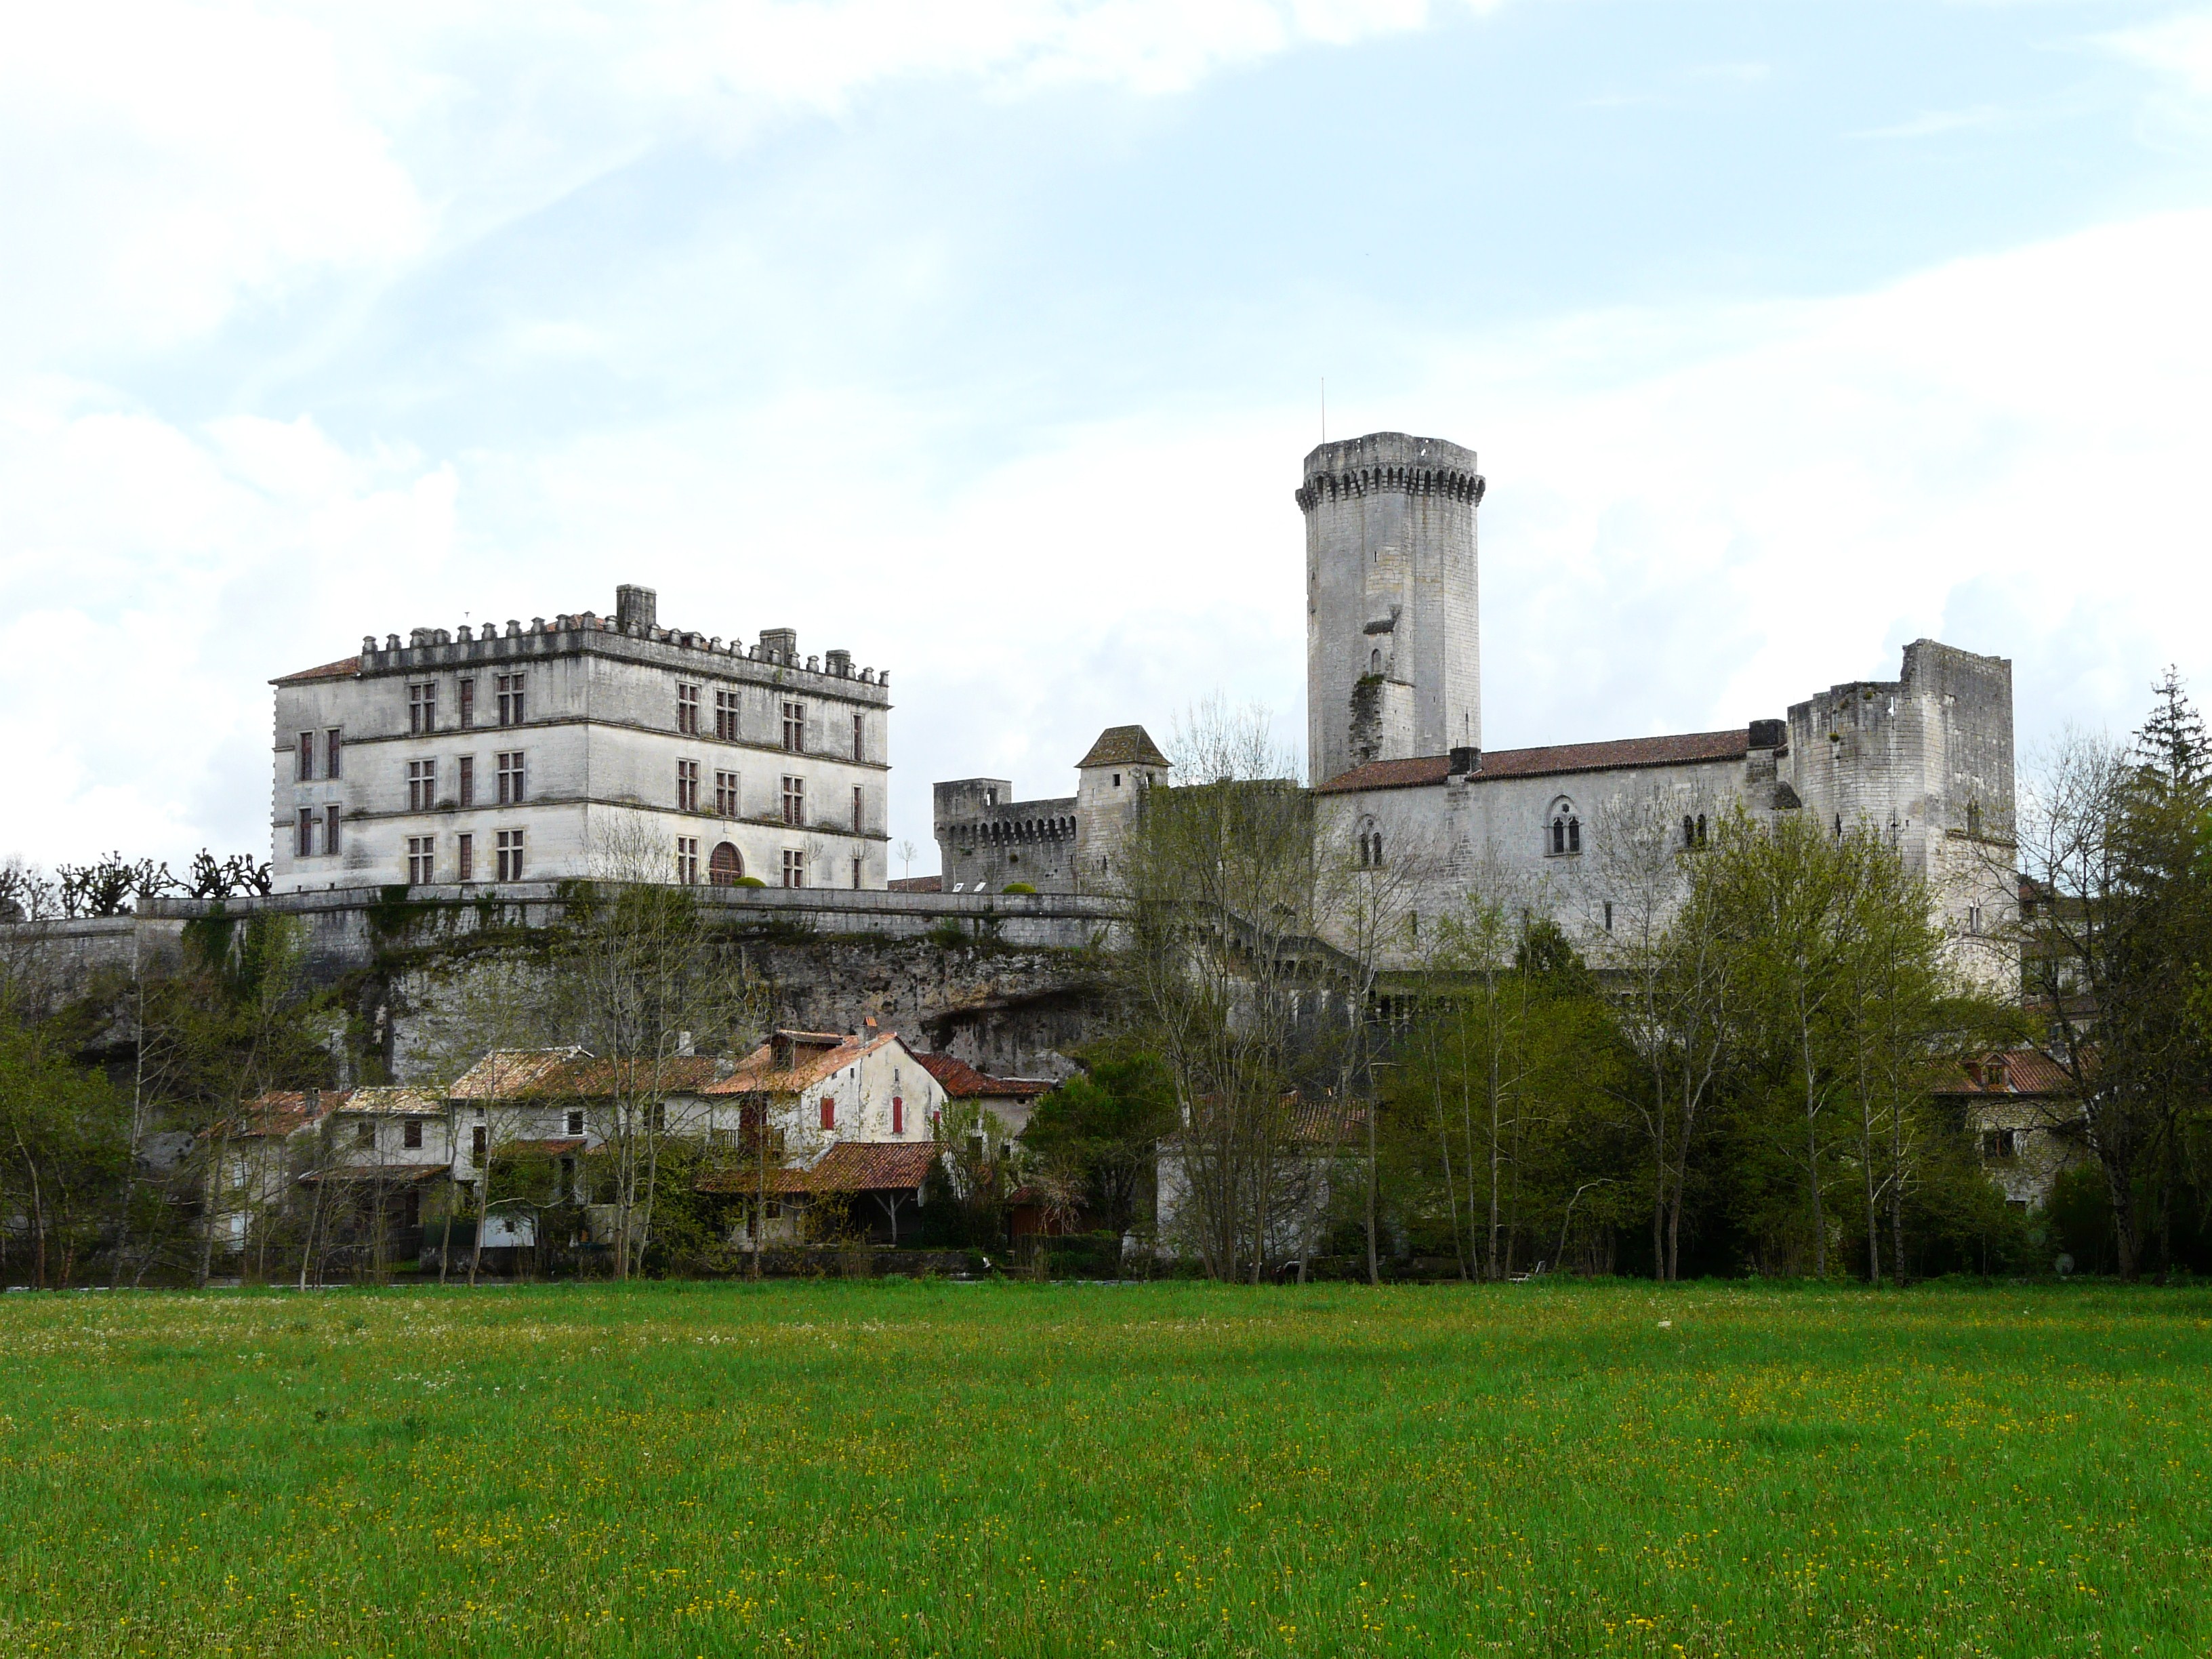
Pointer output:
x,y
1394,664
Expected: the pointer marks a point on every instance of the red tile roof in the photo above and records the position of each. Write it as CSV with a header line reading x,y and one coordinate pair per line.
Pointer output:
x,y
1425,769
812,1056
916,884
963,1082
394,1174
865,1166
278,1113
577,1074
850,1166
2010,1072
344,669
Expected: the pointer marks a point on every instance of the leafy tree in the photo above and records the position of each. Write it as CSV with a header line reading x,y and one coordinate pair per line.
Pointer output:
x,y
1107,1123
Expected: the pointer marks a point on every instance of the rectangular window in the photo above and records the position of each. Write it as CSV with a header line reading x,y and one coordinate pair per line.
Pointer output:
x,y
860,737
479,1141
303,764
687,786
795,727
510,777
794,867
510,855
422,785
334,745
330,829
858,801
726,803
468,703
687,859
464,786
303,838
420,860
794,800
726,716
898,1116
829,1112
464,858
856,875
365,1131
576,1123
411,1134
423,707
687,710
509,687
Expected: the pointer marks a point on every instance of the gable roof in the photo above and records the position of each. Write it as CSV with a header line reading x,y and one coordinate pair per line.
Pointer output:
x,y
1419,770
278,1113
2008,1072
807,1058
344,669
575,1073
963,1082
394,1102
1124,746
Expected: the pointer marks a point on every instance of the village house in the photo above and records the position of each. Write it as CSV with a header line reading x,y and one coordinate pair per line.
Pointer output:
x,y
2018,1104
850,1121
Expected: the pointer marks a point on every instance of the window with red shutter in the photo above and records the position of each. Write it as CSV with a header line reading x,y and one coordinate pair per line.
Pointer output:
x,y
829,1112
898,1116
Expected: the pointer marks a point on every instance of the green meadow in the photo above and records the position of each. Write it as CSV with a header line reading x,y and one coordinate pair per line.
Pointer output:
x,y
936,1469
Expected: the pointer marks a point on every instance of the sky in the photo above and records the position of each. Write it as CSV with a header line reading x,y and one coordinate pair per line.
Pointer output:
x,y
986,337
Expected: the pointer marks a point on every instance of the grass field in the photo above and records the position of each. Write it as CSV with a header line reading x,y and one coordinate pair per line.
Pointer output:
x,y
915,1468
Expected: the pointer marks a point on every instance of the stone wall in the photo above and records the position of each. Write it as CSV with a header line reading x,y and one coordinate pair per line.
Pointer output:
x,y
1391,590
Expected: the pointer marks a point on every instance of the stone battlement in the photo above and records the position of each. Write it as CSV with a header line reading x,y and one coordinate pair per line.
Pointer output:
x,y
1390,461
635,620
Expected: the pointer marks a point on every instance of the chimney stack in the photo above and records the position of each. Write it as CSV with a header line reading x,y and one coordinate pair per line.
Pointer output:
x,y
636,608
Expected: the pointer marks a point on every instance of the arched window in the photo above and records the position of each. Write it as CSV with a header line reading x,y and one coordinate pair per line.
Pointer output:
x,y
1701,828
1374,661
1689,830
1566,829
1370,843
724,866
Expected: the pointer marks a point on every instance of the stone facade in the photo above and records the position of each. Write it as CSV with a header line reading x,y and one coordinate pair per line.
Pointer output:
x,y
1925,760
578,745
1069,844
1394,662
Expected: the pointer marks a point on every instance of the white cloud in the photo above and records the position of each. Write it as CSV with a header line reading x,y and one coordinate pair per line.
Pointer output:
x,y
155,579
161,164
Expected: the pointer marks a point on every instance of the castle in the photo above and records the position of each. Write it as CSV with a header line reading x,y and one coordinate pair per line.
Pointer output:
x,y
584,746
1394,712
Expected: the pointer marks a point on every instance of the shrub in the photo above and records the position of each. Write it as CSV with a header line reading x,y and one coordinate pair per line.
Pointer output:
x,y
748,881
1017,887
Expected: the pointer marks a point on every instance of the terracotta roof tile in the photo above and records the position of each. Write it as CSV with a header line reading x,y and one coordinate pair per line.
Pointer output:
x,y
916,884
812,1056
1419,770
577,1074
963,1082
344,669
2009,1072
866,1166
850,1166
278,1113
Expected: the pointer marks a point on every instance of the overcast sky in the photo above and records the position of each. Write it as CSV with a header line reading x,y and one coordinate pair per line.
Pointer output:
x,y
985,338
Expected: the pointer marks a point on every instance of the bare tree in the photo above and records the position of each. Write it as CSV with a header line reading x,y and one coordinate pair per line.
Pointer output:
x,y
1674,991
648,983
1222,975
